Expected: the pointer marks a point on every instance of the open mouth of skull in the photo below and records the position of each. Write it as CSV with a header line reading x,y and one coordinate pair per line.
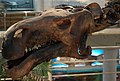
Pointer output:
x,y
32,57
28,52
35,49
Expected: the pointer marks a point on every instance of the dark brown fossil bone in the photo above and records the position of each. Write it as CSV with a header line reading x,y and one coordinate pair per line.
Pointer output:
x,y
54,33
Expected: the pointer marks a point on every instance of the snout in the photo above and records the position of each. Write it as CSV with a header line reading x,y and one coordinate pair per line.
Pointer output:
x,y
11,51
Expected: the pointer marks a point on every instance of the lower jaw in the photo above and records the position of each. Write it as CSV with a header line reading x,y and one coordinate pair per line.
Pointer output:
x,y
26,65
38,57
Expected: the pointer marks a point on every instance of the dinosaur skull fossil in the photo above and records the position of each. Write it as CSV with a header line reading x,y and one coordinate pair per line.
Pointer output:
x,y
55,33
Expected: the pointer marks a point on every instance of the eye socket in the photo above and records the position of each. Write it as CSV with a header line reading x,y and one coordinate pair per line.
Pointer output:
x,y
64,24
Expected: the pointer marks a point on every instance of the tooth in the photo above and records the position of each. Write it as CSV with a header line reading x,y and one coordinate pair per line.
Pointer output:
x,y
5,65
39,46
26,50
35,47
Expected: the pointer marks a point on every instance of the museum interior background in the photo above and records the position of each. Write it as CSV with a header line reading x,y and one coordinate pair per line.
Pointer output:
x,y
105,44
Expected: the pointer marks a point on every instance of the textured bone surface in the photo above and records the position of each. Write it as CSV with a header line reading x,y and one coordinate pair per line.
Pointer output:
x,y
56,32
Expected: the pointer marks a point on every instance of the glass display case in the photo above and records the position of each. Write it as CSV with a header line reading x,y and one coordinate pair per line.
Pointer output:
x,y
11,5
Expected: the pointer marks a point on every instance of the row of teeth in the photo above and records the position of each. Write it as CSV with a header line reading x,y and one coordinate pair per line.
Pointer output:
x,y
36,47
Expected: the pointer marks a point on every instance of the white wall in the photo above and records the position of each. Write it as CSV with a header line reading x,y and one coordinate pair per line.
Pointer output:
x,y
39,5
103,40
47,4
